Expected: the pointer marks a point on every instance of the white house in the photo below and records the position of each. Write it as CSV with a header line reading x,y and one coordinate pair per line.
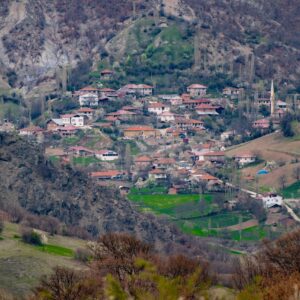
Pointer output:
x,y
157,174
86,111
245,158
158,108
272,200
138,89
88,99
166,117
196,90
66,119
106,155
76,120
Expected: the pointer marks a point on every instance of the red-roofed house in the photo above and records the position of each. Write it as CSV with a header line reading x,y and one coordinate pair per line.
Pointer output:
x,y
106,74
106,155
109,175
216,156
158,108
139,131
86,111
196,90
206,110
261,124
188,123
245,158
138,89
80,151
31,131
157,174
143,161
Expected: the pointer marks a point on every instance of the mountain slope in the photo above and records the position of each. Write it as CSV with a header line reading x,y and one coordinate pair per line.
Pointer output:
x,y
27,178
240,41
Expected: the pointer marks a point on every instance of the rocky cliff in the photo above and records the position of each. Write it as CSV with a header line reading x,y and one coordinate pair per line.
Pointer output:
x,y
242,39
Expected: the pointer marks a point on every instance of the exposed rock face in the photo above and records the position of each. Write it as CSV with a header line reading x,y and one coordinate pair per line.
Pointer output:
x,y
27,178
38,37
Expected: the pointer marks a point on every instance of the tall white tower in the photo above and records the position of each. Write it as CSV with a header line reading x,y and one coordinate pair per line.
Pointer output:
x,y
272,99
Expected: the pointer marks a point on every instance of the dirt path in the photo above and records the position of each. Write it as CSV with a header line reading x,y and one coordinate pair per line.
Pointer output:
x,y
241,226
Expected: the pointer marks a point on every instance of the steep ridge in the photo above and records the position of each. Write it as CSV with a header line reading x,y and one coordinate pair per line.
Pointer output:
x,y
27,178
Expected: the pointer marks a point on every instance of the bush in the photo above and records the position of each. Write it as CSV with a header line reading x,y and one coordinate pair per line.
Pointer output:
x,y
29,236
83,255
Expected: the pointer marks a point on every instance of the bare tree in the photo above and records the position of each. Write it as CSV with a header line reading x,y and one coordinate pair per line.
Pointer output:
x,y
296,173
282,181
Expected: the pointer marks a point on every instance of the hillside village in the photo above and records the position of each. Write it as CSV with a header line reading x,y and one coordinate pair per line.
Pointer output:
x,y
134,138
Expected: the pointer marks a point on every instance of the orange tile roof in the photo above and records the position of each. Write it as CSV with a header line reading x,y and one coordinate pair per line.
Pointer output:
x,y
139,128
143,159
107,173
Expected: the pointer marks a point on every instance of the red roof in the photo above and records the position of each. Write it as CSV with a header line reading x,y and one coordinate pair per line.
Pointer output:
x,y
143,159
85,109
215,153
156,105
107,90
32,129
89,88
197,86
139,128
67,128
107,173
107,71
157,171
68,116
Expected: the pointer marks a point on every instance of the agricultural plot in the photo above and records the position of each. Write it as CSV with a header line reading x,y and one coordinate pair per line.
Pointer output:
x,y
197,214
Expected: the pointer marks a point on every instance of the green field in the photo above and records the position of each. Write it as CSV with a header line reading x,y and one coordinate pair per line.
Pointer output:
x,y
85,161
172,205
195,214
57,250
292,191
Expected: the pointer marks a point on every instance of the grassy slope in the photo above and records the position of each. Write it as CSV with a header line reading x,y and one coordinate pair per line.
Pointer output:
x,y
22,265
273,147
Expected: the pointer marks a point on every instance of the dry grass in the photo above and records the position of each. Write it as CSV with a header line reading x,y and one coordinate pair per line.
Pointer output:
x,y
22,265
273,147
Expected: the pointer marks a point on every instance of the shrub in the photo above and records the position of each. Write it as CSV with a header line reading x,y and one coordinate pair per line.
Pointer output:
x,y
83,255
29,236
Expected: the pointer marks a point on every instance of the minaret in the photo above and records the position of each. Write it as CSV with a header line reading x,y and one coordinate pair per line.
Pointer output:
x,y
272,99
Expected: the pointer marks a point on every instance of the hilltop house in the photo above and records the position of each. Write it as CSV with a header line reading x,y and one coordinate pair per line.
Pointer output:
x,y
232,92
89,99
122,114
164,163
143,161
188,123
109,175
67,130
139,131
158,174
106,74
271,200
196,90
106,155
206,110
214,157
88,90
74,119
166,117
261,124
138,89
54,124
87,112
245,158
158,108
80,151
31,131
